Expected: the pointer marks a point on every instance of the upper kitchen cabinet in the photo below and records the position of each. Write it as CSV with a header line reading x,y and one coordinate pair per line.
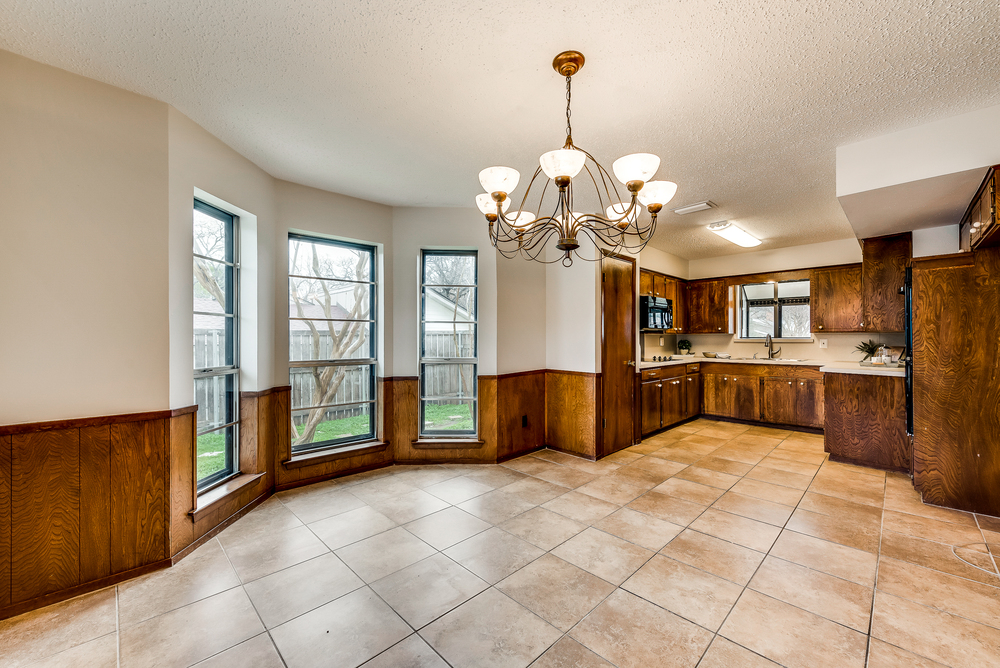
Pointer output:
x,y
652,284
979,226
884,268
645,283
708,307
835,299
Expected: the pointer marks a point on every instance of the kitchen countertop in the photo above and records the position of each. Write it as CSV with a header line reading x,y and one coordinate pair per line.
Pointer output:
x,y
826,366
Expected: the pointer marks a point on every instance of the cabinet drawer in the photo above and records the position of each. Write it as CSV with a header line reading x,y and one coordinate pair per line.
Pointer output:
x,y
652,374
693,368
663,372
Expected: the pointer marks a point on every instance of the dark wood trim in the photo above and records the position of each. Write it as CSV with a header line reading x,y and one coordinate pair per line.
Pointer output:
x,y
447,443
522,453
870,465
758,423
943,261
402,378
440,460
78,423
660,273
518,374
322,456
220,527
330,476
213,498
589,374
187,410
79,590
264,393
783,275
569,452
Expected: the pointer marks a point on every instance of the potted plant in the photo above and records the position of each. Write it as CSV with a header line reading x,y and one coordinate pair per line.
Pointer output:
x,y
684,347
869,348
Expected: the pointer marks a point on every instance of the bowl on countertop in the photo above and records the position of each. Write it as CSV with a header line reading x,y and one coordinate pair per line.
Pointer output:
x,y
709,354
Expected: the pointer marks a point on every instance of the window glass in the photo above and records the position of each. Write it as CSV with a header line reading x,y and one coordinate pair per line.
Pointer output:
x,y
448,343
331,342
777,309
216,353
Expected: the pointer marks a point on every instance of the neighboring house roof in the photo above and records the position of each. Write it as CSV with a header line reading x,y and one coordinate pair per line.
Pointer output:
x,y
310,311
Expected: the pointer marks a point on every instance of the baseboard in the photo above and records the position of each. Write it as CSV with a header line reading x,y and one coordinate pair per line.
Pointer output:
x,y
79,590
592,458
462,460
283,487
217,529
519,453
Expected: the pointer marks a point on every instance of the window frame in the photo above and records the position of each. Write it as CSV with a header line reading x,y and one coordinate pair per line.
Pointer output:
x,y
371,361
423,361
777,303
229,371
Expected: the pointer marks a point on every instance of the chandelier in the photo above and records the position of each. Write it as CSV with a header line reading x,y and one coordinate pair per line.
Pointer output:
x,y
526,233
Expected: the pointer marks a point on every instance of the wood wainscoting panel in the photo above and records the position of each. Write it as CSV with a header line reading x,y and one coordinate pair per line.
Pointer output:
x,y
489,429
405,416
571,411
249,405
139,504
521,412
956,391
5,507
865,421
183,496
45,519
95,503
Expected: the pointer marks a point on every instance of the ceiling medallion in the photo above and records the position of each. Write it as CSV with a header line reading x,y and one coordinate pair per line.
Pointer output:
x,y
526,233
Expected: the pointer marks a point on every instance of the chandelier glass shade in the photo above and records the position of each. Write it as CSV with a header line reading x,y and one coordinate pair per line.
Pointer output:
x,y
619,225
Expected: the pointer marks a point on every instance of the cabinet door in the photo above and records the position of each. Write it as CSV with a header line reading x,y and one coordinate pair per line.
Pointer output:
x,y
809,405
659,285
673,401
650,403
692,395
669,291
718,394
884,269
746,397
645,283
680,307
835,299
779,403
707,307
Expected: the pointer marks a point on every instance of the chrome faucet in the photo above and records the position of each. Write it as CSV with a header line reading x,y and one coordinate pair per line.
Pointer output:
x,y
769,344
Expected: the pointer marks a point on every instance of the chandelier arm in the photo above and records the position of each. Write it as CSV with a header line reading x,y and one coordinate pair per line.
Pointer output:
x,y
605,176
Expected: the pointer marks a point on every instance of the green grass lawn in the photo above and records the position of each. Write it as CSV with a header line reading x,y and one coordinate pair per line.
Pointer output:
x,y
212,450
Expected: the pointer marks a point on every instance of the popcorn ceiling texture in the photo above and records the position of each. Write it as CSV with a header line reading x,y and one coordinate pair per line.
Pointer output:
x,y
404,102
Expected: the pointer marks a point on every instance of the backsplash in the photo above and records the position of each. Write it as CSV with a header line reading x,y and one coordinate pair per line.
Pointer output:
x,y
840,347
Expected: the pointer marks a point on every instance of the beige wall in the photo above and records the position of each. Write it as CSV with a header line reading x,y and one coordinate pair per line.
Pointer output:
x,y
572,314
415,228
521,308
844,251
308,210
663,262
201,164
83,246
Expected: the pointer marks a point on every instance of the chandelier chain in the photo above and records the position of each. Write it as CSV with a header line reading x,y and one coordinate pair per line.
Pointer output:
x,y
569,95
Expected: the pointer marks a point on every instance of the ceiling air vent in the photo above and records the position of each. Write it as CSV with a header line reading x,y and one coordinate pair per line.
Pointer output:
x,y
691,208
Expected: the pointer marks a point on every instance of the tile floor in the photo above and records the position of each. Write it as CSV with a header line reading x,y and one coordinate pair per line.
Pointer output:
x,y
711,545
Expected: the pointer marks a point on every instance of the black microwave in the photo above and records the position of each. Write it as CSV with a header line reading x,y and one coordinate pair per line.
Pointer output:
x,y
656,313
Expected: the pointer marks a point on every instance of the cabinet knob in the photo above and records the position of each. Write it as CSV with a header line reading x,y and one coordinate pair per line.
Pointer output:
x,y
801,383
720,329
820,327
659,384
789,382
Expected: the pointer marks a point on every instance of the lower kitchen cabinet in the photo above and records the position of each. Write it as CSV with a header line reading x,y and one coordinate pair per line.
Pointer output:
x,y
865,421
668,401
732,396
792,401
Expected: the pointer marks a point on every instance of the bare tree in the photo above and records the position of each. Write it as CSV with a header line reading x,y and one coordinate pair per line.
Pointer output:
x,y
448,274
353,333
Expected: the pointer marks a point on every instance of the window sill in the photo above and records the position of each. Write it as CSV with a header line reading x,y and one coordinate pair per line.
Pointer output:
x,y
216,496
323,456
447,444
802,340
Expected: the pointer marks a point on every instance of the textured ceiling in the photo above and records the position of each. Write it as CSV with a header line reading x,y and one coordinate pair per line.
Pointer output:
x,y
404,102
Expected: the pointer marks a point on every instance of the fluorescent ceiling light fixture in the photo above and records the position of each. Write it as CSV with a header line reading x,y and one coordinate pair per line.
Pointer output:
x,y
691,208
738,236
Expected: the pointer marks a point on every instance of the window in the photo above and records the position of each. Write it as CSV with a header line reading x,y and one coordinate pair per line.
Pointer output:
x,y
331,342
448,343
778,309
216,343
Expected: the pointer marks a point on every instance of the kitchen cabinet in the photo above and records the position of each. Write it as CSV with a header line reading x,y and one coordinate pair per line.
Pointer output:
x,y
668,396
792,401
645,283
865,421
732,396
835,299
979,228
708,307
883,267
652,284
650,398
692,395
